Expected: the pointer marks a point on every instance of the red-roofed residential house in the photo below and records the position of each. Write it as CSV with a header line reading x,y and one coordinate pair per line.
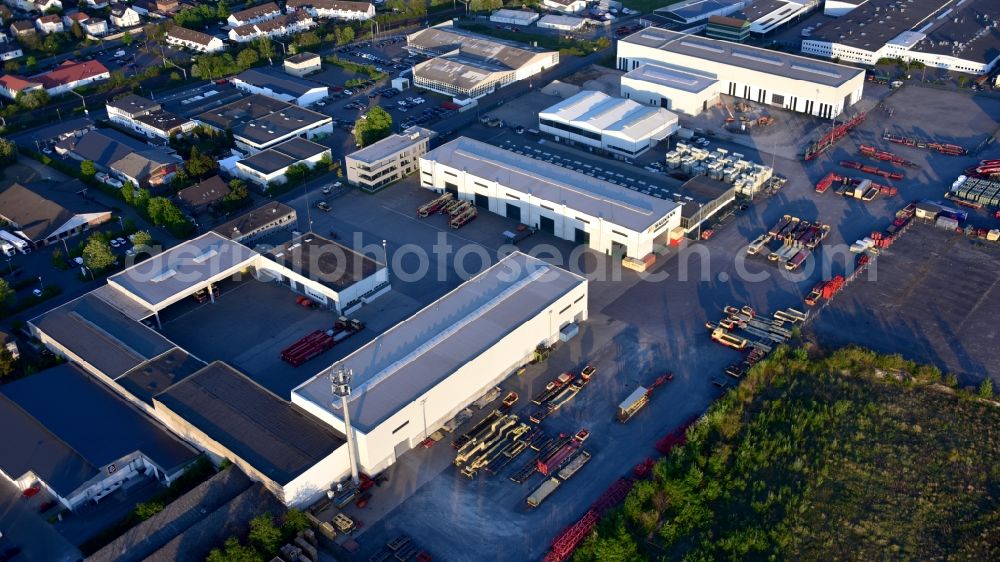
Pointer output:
x,y
11,86
65,77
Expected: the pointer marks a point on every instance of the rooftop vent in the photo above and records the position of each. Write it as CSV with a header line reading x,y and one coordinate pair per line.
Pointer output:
x,y
164,276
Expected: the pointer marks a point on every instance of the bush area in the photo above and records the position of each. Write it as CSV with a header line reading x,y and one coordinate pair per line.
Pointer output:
x,y
197,473
264,539
574,47
850,456
356,68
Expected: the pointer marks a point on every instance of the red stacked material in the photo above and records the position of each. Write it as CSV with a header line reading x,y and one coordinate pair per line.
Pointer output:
x,y
567,541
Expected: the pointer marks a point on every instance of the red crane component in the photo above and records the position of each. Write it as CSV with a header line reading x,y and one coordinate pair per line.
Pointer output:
x,y
308,347
825,183
825,290
831,138
567,541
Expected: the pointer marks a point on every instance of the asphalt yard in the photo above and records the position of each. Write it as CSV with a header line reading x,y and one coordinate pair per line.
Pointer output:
x,y
642,327
935,300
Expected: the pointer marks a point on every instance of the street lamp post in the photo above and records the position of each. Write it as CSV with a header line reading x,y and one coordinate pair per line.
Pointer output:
x,y
40,284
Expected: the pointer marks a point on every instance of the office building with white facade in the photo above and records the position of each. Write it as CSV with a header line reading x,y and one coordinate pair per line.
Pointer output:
x,y
791,82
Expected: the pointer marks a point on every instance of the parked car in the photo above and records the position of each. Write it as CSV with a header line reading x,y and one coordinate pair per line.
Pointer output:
x,y
322,206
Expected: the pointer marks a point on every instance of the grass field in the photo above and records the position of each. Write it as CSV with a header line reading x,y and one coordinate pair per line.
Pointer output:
x,y
851,456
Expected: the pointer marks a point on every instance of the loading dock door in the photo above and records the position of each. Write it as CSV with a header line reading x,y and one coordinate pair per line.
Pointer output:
x,y
451,188
618,250
582,237
513,212
482,200
546,224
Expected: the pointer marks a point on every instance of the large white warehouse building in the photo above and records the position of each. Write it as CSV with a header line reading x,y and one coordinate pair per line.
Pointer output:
x,y
960,35
604,216
623,127
412,379
787,81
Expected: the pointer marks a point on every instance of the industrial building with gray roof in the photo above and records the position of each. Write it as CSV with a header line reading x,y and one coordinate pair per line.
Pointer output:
x,y
66,452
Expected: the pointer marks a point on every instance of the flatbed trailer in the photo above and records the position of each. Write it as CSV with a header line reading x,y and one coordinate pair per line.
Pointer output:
x,y
575,463
542,491
467,436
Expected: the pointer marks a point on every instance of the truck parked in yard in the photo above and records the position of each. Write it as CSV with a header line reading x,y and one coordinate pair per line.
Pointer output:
x,y
18,243
575,464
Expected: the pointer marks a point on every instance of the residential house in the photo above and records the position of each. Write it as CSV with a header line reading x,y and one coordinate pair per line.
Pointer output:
x,y
269,167
12,86
97,4
334,9
122,156
93,27
147,117
165,7
70,75
256,14
278,85
204,194
152,168
22,27
42,221
277,27
10,52
34,5
194,40
49,24
124,17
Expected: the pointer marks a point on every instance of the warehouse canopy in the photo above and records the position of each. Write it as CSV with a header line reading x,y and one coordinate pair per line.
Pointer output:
x,y
183,270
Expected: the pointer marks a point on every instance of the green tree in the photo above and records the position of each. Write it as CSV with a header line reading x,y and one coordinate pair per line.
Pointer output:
x,y
265,47
295,521
12,67
142,238
372,127
221,10
963,81
75,30
247,58
233,551
986,388
31,61
145,510
97,253
7,362
33,99
199,165
129,193
175,76
8,152
87,169
264,536
141,199
237,190
346,36
58,259
6,293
